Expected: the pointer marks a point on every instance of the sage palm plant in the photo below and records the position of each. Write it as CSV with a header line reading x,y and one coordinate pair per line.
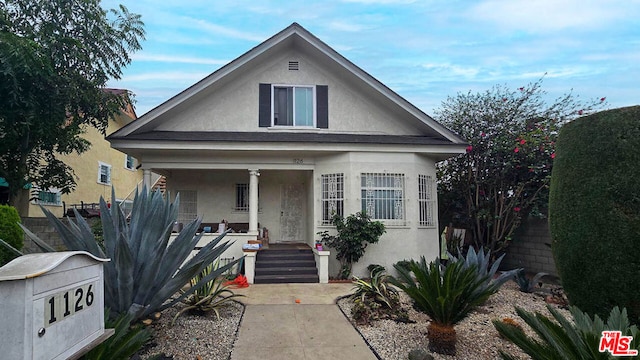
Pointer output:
x,y
560,338
448,293
147,267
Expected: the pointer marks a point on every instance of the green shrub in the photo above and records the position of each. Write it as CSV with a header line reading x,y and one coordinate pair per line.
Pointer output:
x,y
594,211
449,293
145,269
376,298
354,234
563,339
10,232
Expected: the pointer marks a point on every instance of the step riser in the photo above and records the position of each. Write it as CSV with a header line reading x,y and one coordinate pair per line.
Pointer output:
x,y
280,257
288,263
291,271
286,281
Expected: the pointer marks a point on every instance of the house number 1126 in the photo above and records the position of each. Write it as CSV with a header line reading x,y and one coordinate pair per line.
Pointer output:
x,y
61,305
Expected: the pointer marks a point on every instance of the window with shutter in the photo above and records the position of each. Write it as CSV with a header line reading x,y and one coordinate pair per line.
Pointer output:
x,y
293,106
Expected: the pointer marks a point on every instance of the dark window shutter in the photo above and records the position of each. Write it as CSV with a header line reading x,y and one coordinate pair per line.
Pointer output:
x,y
322,106
264,101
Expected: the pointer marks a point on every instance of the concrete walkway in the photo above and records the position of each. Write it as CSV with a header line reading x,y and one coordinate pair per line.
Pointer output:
x,y
276,327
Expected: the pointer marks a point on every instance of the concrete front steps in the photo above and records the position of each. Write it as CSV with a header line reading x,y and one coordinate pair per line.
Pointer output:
x,y
286,264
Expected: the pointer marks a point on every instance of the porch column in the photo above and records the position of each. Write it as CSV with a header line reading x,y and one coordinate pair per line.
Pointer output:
x,y
146,178
253,200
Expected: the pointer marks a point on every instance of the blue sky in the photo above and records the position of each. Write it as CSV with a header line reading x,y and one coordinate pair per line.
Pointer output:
x,y
424,50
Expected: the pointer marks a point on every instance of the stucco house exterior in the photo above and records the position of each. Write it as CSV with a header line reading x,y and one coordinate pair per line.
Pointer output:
x,y
97,170
289,133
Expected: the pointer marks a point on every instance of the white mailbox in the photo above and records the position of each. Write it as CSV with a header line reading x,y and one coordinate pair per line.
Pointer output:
x,y
51,305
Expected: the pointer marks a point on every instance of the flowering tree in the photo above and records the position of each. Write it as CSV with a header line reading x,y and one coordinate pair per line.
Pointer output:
x,y
505,172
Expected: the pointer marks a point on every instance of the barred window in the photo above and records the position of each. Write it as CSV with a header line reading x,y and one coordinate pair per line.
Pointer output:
x,y
242,197
426,201
383,197
332,197
188,209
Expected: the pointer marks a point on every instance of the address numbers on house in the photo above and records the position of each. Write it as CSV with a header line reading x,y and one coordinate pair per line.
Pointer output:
x,y
64,304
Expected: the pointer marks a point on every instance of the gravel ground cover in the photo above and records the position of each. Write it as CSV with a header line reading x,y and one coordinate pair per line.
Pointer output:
x,y
477,338
195,337
204,337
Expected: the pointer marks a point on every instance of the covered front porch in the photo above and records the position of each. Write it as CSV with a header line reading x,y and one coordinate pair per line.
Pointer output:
x,y
274,206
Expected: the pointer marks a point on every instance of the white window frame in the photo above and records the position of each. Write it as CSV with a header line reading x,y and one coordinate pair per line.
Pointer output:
x,y
102,165
391,211
53,191
273,103
332,188
126,162
427,201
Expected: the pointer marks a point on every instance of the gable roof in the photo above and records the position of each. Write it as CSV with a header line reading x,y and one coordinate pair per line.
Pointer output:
x,y
300,37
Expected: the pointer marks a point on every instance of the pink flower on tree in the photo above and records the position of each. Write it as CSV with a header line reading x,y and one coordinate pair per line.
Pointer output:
x,y
521,88
516,150
469,148
553,156
517,209
580,112
522,141
603,99
482,134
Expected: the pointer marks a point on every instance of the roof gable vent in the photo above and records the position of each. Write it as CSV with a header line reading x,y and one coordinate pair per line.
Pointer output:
x,y
294,65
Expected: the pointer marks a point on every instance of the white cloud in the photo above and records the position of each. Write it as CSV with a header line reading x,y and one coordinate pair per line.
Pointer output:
x,y
346,26
173,76
449,70
550,15
177,59
220,30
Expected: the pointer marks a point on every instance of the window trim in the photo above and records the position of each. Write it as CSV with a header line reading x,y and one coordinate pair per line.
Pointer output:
x,y
108,166
314,106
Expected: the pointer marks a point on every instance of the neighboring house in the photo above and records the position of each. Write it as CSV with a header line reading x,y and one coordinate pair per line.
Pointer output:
x,y
96,171
290,133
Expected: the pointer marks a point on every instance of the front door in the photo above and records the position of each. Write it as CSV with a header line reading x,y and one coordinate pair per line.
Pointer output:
x,y
292,211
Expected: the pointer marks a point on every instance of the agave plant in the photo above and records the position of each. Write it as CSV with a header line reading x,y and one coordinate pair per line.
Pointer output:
x,y
524,283
377,289
449,293
146,267
559,338
209,297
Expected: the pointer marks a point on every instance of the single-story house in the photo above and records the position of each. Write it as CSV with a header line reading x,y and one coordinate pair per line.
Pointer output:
x,y
288,134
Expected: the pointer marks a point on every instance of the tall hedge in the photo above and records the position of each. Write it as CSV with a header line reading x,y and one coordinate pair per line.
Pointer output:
x,y
594,211
10,232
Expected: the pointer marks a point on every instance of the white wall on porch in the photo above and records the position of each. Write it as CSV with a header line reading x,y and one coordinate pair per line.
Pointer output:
x,y
216,191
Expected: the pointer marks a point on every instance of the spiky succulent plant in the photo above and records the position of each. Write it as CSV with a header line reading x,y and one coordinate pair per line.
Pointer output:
x,y
147,266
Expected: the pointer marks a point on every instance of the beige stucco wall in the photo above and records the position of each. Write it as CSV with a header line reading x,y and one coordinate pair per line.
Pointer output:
x,y
85,167
233,105
399,242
